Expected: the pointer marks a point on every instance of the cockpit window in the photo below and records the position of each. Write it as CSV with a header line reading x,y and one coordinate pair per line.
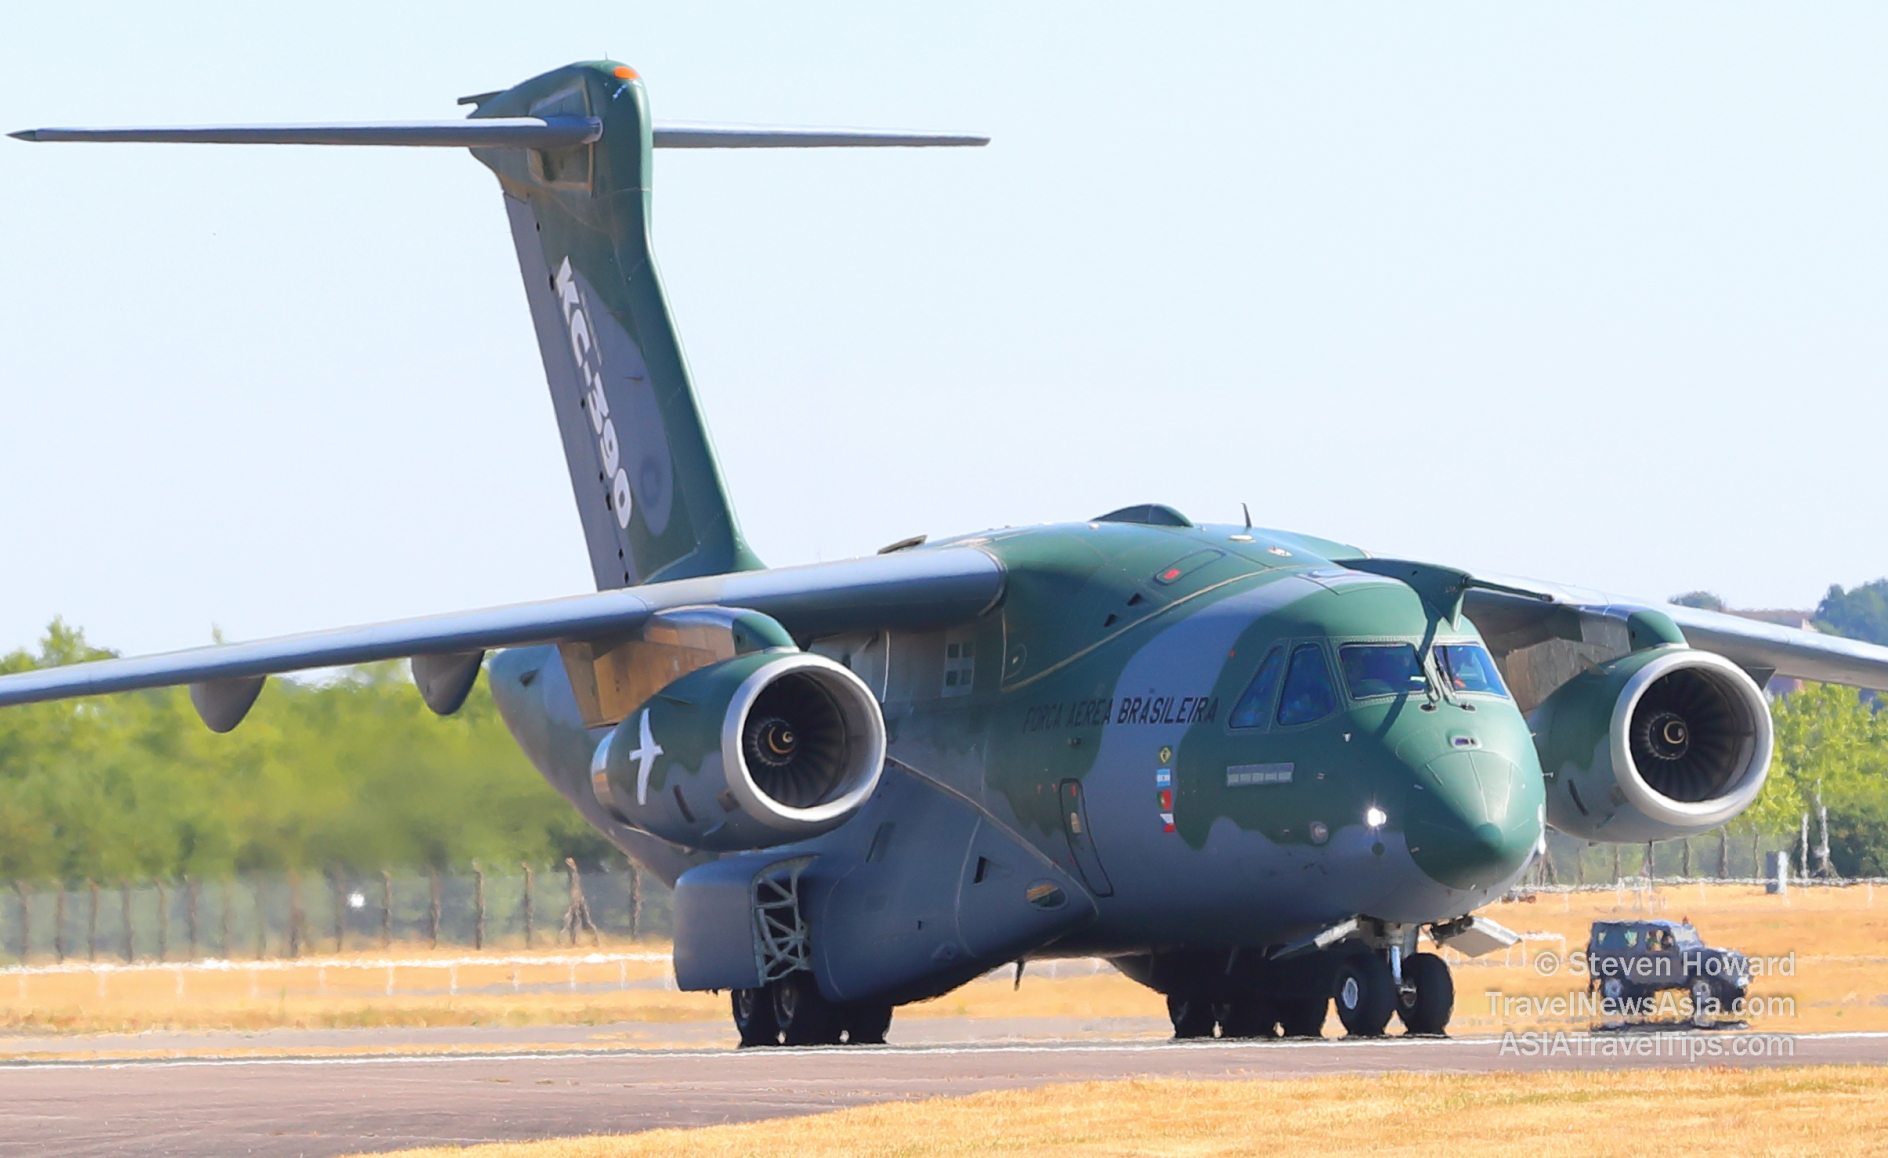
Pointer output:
x,y
1251,709
1382,669
1308,692
1468,668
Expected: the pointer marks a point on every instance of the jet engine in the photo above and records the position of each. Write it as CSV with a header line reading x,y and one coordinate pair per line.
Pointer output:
x,y
1664,743
751,752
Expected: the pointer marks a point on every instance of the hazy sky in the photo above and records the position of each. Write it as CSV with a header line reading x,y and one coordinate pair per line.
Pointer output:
x,y
1594,293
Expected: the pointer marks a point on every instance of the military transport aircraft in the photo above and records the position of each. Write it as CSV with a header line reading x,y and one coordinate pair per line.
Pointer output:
x,y
1249,767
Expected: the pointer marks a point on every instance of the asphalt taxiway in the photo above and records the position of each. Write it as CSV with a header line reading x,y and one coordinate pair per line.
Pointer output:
x,y
340,1104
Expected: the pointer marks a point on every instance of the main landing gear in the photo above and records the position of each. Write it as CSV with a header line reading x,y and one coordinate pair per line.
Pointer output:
x,y
792,1011
1369,984
1247,1016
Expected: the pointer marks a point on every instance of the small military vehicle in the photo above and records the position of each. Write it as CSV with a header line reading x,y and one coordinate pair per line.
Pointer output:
x,y
1630,962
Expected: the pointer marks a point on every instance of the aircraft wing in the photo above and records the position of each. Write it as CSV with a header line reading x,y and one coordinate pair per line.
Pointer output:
x,y
908,590
1527,612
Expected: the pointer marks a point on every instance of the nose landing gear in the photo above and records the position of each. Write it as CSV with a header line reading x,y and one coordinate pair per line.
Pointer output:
x,y
1366,994
1369,991
1426,998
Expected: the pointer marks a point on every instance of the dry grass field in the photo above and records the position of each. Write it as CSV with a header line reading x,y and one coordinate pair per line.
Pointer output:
x,y
1823,1111
1839,938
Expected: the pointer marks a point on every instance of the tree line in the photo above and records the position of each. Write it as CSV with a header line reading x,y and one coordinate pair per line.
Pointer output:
x,y
348,774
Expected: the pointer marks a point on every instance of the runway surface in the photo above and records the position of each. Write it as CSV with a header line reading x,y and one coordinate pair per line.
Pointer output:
x,y
329,1105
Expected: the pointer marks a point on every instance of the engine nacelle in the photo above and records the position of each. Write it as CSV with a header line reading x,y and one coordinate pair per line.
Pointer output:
x,y
751,752
1660,744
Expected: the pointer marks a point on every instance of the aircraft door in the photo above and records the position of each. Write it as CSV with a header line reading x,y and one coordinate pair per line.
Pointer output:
x,y
1082,841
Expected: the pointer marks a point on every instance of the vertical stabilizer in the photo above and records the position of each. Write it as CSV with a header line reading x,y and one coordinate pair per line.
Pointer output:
x,y
648,489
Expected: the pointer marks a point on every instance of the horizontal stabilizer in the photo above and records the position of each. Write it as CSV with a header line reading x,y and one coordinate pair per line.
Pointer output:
x,y
508,132
488,133
699,135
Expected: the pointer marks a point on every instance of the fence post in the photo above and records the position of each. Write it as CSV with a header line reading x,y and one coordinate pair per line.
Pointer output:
x,y
91,924
635,901
1651,868
527,906
478,904
26,920
124,918
386,910
1724,851
295,931
222,919
335,890
1615,865
163,921
1824,866
191,890
59,924
262,922
432,912
577,914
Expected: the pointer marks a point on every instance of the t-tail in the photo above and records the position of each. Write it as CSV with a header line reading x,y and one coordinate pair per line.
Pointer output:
x,y
572,151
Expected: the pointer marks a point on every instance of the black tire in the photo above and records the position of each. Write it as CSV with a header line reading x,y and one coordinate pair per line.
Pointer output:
x,y
754,1017
1427,997
866,1024
804,1014
1249,1017
1616,996
1366,994
1192,1017
1705,1008
1303,1016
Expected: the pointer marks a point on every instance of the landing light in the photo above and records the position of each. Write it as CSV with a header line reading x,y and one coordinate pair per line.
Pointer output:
x,y
1374,817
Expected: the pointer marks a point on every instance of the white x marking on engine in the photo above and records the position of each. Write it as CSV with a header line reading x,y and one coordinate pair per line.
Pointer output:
x,y
645,757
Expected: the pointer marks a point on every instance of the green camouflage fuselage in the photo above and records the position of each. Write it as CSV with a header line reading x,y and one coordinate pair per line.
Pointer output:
x,y
1092,714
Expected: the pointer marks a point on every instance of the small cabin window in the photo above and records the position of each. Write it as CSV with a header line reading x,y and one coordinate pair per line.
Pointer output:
x,y
1253,707
1309,695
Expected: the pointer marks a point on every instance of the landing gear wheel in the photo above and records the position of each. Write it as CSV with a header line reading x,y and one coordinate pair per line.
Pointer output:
x,y
1427,996
866,1024
1704,1004
1192,1017
754,1017
1303,1016
1249,1017
1366,994
1614,997
804,1014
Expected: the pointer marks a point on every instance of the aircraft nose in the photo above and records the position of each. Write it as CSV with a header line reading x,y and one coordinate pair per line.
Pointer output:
x,y
1476,821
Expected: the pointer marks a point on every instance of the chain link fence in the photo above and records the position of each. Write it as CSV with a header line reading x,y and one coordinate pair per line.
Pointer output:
x,y
292,914
261,917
